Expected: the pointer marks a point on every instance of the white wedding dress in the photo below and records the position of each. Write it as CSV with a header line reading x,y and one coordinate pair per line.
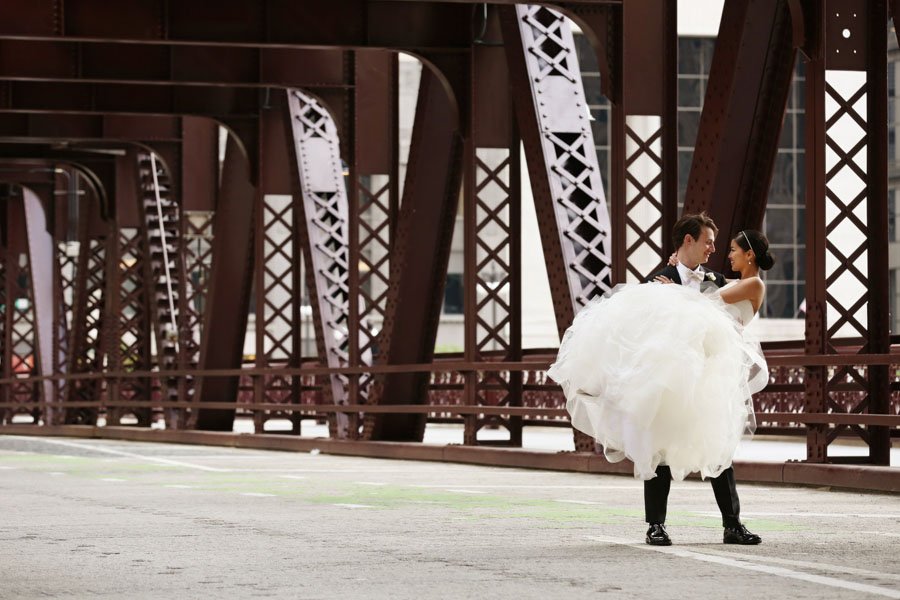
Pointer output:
x,y
662,374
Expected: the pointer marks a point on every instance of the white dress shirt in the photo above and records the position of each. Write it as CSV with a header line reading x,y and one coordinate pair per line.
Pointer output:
x,y
688,278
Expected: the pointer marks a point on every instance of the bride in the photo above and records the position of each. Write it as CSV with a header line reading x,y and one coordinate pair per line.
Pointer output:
x,y
662,374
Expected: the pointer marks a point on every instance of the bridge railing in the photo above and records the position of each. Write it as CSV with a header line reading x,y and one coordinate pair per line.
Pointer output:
x,y
297,393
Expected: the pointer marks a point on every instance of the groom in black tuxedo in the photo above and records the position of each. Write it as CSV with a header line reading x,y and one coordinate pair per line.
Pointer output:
x,y
694,237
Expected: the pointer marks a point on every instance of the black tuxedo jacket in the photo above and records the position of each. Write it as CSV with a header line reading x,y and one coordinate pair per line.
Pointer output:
x,y
672,273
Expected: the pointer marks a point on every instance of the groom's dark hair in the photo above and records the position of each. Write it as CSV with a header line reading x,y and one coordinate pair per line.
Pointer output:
x,y
691,225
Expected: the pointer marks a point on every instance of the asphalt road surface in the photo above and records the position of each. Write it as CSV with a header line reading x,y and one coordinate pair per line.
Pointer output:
x,y
110,519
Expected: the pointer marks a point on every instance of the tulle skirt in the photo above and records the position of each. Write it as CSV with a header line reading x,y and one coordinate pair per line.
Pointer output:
x,y
661,374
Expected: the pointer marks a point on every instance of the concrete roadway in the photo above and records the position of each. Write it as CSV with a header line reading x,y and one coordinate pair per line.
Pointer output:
x,y
109,519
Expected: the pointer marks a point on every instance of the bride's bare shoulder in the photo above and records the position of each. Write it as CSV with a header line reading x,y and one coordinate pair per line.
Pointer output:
x,y
751,289
755,283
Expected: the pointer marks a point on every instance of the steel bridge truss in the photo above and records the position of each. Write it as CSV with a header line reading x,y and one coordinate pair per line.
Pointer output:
x,y
135,253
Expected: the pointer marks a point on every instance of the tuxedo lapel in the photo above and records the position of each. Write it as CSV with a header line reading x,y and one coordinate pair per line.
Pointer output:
x,y
719,278
667,271
672,273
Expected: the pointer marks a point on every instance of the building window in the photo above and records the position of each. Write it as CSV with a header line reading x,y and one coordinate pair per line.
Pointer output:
x,y
453,294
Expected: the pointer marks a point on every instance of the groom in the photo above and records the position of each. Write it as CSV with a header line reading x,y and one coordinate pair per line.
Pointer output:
x,y
694,236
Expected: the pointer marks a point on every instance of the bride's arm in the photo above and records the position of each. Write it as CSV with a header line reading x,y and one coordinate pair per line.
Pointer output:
x,y
751,289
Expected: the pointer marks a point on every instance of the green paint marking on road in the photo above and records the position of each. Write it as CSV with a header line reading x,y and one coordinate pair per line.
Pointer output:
x,y
44,458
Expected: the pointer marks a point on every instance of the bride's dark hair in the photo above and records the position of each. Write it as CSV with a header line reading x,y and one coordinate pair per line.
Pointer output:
x,y
750,239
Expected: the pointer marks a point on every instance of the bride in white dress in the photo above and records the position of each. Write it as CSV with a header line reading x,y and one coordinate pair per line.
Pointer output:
x,y
662,374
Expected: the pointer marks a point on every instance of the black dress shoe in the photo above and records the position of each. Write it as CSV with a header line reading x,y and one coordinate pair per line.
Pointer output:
x,y
657,536
740,535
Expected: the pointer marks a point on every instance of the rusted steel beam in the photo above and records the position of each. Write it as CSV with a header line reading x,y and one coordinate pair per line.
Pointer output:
x,y
96,170
200,161
374,201
376,114
880,302
346,23
127,311
73,128
20,341
128,98
419,258
88,344
225,318
492,236
278,284
847,51
743,110
155,126
644,178
231,66
199,193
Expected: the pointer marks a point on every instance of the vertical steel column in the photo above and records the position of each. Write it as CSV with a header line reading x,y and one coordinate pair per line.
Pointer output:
x,y
89,298
228,297
645,144
373,194
65,262
492,221
419,257
879,316
737,140
847,220
278,292
22,338
128,311
200,160
553,118
350,169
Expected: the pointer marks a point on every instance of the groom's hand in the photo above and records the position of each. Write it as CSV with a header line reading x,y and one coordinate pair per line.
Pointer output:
x,y
662,279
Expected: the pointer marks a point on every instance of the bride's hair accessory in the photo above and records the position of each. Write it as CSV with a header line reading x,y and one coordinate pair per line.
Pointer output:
x,y
748,242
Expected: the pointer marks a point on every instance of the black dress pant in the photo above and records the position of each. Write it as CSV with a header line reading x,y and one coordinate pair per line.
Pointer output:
x,y
656,496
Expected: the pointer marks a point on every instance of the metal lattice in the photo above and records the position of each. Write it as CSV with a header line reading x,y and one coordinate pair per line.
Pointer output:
x,y
374,259
846,231
197,235
132,336
493,284
23,349
643,211
277,279
325,210
64,288
277,323
571,159
87,327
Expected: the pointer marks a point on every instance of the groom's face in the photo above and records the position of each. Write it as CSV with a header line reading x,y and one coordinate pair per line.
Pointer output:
x,y
701,249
